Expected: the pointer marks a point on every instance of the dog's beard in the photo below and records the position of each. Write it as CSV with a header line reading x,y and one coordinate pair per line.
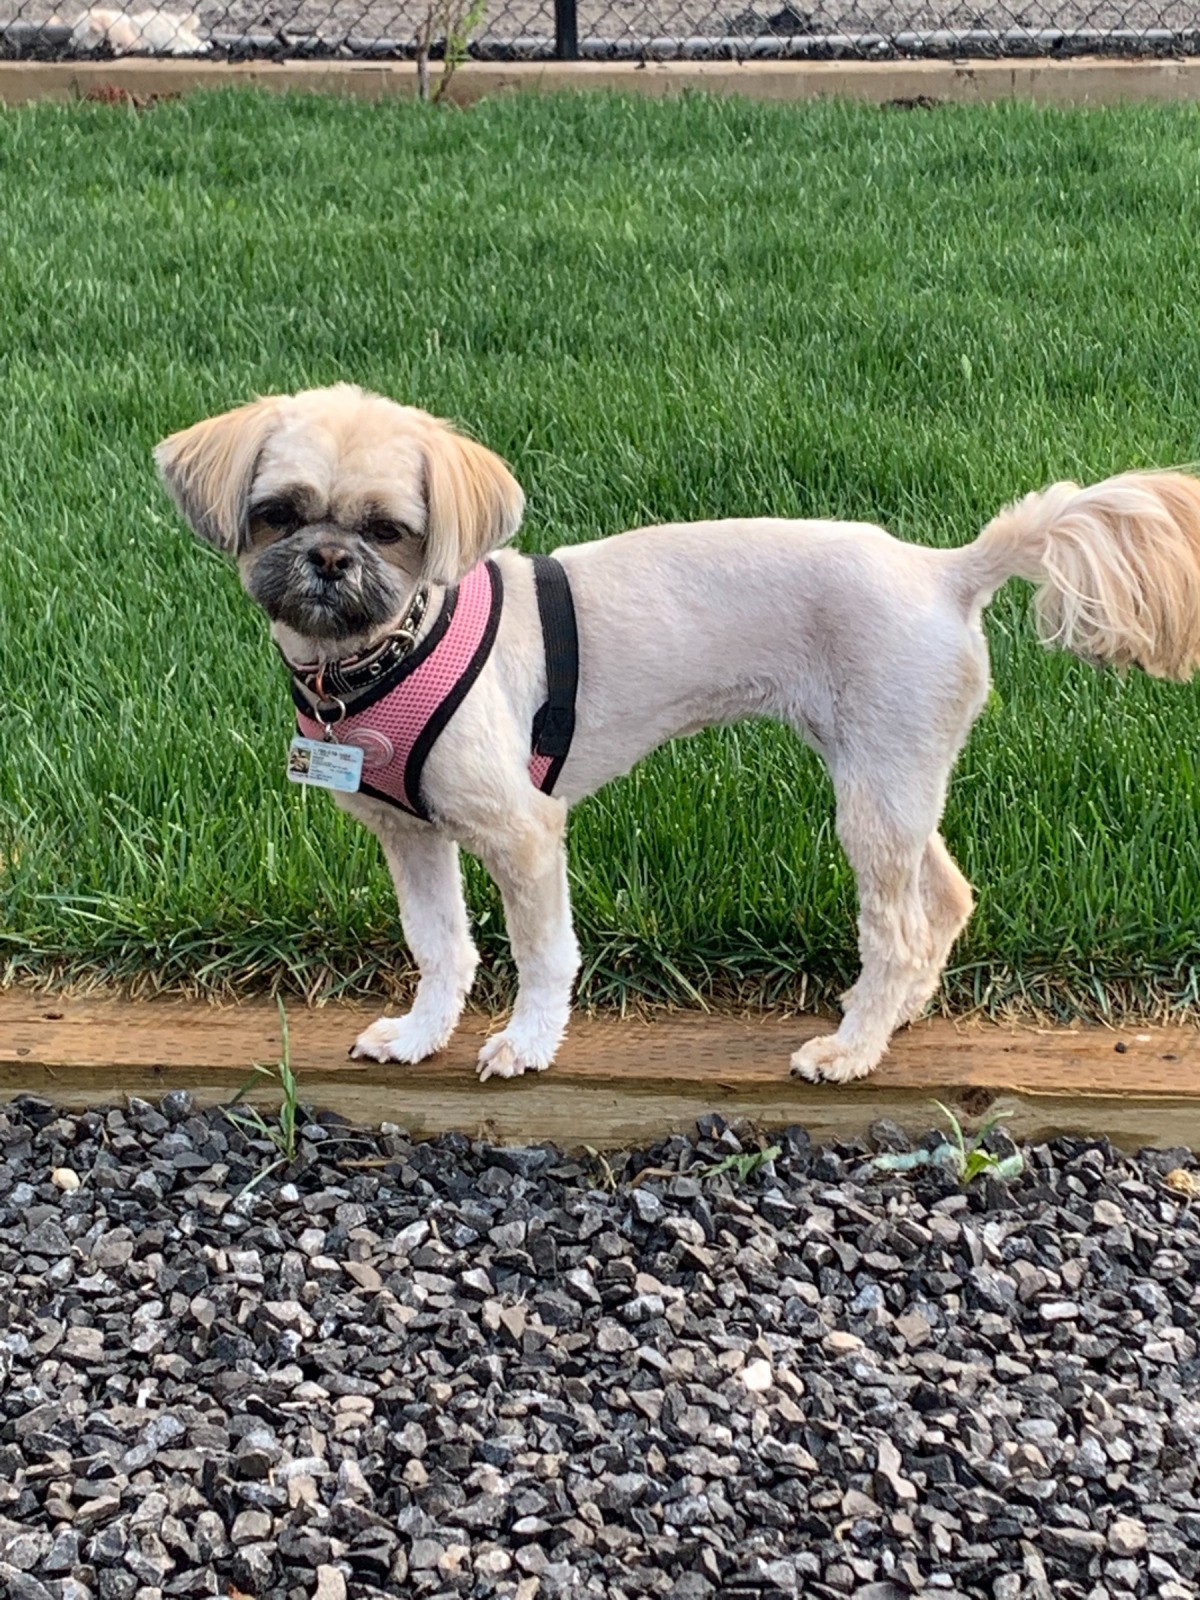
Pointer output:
x,y
292,591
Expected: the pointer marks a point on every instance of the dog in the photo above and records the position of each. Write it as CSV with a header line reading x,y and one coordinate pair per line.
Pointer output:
x,y
167,33
357,523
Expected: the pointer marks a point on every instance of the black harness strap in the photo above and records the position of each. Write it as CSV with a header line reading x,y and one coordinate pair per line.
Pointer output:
x,y
554,724
429,734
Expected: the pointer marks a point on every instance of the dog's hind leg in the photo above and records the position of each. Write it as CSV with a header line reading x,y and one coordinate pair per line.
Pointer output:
x,y
425,870
948,902
887,836
890,763
528,860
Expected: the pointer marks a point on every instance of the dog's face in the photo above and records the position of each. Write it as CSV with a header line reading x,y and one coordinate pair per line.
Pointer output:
x,y
336,504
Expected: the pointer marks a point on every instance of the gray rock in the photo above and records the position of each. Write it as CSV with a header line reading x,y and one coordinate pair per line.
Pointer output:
x,y
1073,1545
63,1556
448,1371
18,1585
331,1584
253,1566
1126,1536
1058,1311
26,1550
647,1207
425,1555
251,1527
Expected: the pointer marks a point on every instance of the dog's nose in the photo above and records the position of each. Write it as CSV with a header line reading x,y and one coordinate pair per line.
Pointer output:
x,y
330,560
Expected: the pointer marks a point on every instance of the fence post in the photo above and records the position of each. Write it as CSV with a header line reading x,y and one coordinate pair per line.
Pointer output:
x,y
566,30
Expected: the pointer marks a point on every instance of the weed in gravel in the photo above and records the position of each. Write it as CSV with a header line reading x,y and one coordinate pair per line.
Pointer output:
x,y
741,1164
966,1156
606,1178
283,1132
745,1165
1180,1181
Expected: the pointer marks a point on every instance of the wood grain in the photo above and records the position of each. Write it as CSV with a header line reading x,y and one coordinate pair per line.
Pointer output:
x,y
1079,81
618,1081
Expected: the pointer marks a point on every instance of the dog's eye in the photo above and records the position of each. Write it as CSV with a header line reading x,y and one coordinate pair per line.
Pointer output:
x,y
384,532
277,514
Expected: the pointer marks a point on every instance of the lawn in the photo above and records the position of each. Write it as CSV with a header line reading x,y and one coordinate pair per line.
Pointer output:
x,y
654,311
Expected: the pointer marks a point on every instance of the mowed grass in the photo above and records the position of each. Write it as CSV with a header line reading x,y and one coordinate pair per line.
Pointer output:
x,y
654,311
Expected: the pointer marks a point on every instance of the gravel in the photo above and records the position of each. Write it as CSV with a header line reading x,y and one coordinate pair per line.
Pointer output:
x,y
447,1369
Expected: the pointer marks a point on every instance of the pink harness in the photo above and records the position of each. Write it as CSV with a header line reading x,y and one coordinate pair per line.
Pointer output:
x,y
396,720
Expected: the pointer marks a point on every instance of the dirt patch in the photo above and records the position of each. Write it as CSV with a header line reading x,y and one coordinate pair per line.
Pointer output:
x,y
114,94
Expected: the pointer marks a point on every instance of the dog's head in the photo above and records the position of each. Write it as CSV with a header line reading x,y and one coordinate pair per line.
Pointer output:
x,y
336,504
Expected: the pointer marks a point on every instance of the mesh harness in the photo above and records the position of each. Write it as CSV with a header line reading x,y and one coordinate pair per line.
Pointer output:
x,y
394,703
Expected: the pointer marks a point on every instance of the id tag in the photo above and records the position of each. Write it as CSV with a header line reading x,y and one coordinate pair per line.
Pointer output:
x,y
329,766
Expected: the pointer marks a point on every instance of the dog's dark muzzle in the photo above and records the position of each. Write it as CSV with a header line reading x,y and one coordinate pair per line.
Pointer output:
x,y
323,589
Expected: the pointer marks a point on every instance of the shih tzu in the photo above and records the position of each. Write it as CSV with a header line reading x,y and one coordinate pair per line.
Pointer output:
x,y
449,696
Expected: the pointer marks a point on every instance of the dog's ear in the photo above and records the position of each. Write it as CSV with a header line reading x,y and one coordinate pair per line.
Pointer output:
x,y
473,504
208,470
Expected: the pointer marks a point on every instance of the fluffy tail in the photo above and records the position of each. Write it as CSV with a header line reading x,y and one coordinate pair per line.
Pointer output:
x,y
1118,566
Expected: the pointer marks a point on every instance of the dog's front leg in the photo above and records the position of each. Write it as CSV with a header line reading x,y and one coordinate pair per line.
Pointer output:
x,y
425,870
528,860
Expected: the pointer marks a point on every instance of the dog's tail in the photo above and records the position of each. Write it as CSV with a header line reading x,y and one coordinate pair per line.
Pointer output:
x,y
1118,566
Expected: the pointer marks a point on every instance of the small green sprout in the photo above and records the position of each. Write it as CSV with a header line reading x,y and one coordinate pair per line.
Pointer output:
x,y
744,1165
283,1132
965,1156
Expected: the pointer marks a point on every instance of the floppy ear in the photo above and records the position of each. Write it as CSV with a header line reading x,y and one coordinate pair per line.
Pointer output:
x,y
473,504
208,470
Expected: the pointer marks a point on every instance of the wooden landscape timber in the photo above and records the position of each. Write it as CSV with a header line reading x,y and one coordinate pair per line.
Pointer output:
x,y
1078,81
619,1082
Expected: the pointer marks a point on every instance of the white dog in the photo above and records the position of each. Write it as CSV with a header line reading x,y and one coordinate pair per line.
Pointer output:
x,y
363,527
160,33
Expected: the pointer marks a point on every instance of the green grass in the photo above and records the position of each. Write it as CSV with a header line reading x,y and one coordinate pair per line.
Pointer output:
x,y
654,311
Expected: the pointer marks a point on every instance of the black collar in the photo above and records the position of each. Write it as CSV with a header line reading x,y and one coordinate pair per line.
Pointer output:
x,y
333,682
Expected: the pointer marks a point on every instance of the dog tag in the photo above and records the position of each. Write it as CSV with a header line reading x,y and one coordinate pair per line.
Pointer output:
x,y
329,766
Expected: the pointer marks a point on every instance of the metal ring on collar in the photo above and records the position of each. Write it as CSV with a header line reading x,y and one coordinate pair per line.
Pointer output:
x,y
330,722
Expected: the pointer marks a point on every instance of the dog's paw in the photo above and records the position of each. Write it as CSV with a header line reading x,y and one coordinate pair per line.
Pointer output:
x,y
829,1060
504,1057
396,1039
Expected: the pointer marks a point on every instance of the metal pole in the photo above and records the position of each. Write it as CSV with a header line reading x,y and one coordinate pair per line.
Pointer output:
x,y
566,30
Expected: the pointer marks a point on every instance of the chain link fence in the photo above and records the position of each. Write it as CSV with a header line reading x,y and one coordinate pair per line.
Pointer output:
x,y
634,30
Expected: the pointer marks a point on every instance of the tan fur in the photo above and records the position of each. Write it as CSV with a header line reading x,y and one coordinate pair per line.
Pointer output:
x,y
209,469
475,503
1119,565
459,497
